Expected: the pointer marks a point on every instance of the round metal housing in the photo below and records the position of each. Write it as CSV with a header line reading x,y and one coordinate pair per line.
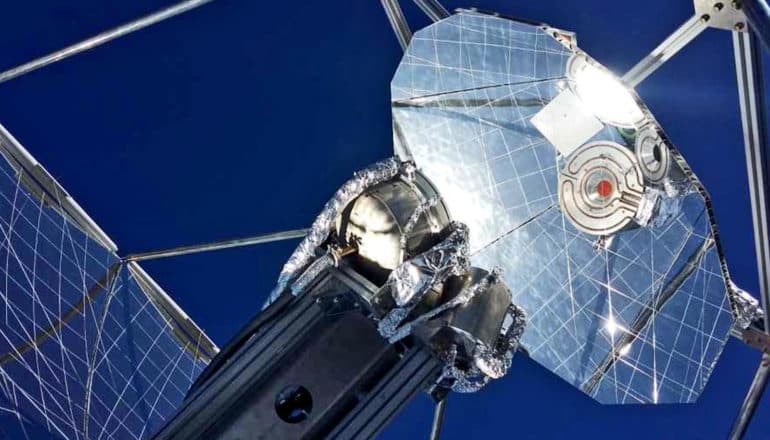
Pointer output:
x,y
600,188
652,154
393,221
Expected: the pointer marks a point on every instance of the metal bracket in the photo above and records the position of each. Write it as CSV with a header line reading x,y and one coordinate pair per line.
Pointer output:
x,y
723,14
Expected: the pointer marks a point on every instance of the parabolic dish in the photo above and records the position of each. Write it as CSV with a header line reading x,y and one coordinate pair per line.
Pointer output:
x,y
493,112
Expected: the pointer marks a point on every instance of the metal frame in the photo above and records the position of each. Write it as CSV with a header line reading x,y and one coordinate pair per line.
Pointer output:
x,y
751,96
432,8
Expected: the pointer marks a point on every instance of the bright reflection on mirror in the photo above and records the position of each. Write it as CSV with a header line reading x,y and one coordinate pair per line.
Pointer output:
x,y
636,316
601,91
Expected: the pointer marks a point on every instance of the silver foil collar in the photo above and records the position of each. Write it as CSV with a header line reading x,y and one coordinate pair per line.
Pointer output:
x,y
412,279
747,308
319,231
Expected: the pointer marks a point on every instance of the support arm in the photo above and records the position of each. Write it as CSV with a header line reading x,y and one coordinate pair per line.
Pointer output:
x,y
751,94
667,49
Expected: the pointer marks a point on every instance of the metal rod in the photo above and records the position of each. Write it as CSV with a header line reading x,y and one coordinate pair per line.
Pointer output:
x,y
397,22
438,418
751,96
758,14
206,247
749,407
667,49
433,9
102,38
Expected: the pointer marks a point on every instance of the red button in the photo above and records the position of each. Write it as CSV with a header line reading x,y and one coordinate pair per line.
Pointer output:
x,y
604,188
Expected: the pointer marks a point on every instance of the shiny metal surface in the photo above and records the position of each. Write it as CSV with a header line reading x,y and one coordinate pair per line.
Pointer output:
x,y
723,14
748,63
601,188
639,316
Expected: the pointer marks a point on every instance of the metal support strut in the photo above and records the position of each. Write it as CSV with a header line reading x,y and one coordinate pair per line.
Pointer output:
x,y
751,95
758,14
206,247
667,49
102,38
431,8
438,419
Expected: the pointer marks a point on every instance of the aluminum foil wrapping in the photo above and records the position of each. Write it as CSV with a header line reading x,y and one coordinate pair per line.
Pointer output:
x,y
412,279
311,273
747,308
461,299
415,217
647,206
319,231
488,362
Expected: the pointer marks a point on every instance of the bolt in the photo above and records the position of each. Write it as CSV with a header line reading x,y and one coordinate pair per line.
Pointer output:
x,y
737,5
739,26
718,6
705,18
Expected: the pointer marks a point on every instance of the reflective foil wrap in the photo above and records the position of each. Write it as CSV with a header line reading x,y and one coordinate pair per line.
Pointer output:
x,y
461,299
747,310
319,231
412,279
311,273
488,362
415,217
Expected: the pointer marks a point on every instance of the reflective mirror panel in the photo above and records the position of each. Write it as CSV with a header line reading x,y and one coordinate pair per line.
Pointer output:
x,y
86,349
606,240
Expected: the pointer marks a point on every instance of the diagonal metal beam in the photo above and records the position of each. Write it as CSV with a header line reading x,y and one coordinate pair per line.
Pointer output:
x,y
667,49
217,245
397,22
750,403
751,95
758,14
433,9
102,38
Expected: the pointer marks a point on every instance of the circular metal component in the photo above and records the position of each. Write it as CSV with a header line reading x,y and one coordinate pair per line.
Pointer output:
x,y
392,221
652,155
600,188
611,101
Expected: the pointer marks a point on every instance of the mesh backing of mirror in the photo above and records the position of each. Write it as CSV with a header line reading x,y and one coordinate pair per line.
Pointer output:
x,y
85,351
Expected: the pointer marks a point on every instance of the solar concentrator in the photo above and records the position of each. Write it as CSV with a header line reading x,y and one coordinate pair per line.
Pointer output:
x,y
533,204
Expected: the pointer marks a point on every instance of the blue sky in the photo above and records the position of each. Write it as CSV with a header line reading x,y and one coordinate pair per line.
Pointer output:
x,y
243,117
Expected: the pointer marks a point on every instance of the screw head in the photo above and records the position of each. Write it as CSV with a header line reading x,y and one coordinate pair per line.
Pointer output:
x,y
718,6
705,18
739,26
736,4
